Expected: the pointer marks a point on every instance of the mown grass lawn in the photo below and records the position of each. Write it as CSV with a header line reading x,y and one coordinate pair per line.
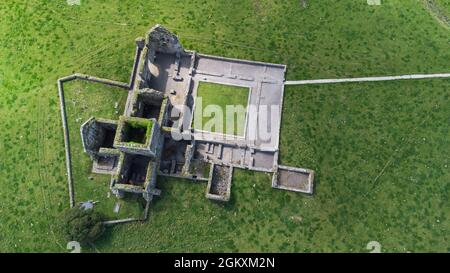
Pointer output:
x,y
230,100
350,134
379,150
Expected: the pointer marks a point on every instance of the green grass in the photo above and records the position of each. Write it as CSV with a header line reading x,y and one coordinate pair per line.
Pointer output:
x,y
347,133
85,100
232,123
380,153
444,5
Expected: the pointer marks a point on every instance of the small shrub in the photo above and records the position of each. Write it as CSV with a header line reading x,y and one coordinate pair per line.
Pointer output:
x,y
84,226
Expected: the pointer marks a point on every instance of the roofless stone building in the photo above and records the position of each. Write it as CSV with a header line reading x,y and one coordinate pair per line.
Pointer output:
x,y
155,135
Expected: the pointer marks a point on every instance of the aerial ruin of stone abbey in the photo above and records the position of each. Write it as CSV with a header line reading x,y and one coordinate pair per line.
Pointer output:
x,y
155,137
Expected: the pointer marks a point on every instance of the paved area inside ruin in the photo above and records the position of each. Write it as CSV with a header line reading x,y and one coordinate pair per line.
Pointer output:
x,y
265,81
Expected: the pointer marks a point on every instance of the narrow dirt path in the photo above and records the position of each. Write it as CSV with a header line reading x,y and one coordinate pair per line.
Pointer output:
x,y
437,12
370,79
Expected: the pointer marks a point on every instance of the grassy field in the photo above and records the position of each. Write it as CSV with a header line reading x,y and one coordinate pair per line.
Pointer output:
x,y
222,95
379,149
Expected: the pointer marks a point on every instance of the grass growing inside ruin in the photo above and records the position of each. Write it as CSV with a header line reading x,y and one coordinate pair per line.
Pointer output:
x,y
137,131
85,100
44,40
225,97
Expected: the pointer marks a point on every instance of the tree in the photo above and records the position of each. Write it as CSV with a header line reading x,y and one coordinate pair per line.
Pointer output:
x,y
83,226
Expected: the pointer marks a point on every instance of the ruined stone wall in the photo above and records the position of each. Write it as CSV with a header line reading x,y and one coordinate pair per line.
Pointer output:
x,y
190,150
146,149
123,171
143,71
92,136
144,97
156,131
121,174
164,114
160,40
164,41
151,96
221,177
150,182
108,152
